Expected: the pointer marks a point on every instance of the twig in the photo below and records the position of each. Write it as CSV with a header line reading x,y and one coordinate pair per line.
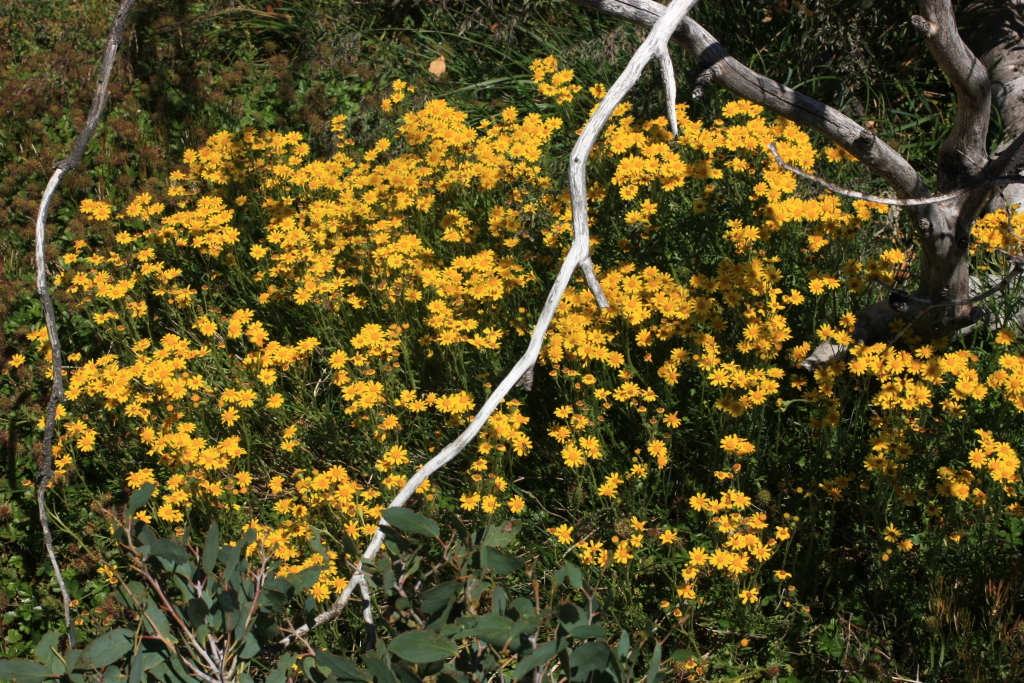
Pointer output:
x,y
889,201
1018,268
45,476
577,257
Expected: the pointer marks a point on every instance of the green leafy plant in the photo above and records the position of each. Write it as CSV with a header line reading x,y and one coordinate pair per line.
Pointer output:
x,y
455,608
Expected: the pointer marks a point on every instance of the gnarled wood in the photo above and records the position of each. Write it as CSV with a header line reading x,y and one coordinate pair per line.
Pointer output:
x,y
964,152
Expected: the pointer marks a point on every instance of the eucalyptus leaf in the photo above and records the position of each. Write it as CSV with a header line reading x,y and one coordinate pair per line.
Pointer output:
x,y
227,601
499,600
71,659
499,561
343,669
305,579
196,611
135,673
156,622
23,671
573,573
169,550
379,669
501,536
279,674
45,648
422,647
492,628
250,648
107,649
438,597
138,499
211,547
584,631
541,655
652,672
411,522
588,658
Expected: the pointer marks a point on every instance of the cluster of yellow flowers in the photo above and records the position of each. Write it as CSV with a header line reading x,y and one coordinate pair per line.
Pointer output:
x,y
743,546
388,252
554,83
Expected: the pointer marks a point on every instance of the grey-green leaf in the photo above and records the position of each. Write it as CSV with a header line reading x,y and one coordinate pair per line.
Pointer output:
x,y
305,579
138,499
157,624
436,599
422,647
588,658
652,673
574,574
107,649
211,548
45,649
498,561
169,550
280,672
501,536
343,669
492,628
250,649
411,522
23,671
379,669
542,655
196,611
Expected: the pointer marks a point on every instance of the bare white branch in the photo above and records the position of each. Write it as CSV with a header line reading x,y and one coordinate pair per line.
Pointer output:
x,y
853,194
63,167
577,257
668,75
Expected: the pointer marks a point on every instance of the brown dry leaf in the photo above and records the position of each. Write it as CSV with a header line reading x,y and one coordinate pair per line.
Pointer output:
x,y
437,67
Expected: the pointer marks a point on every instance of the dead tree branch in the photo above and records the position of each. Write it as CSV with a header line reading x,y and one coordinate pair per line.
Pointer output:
x,y
1018,268
853,194
63,167
889,201
1009,161
802,110
655,46
964,153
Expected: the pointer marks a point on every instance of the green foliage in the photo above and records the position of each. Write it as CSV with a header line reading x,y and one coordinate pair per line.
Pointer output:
x,y
457,610
952,609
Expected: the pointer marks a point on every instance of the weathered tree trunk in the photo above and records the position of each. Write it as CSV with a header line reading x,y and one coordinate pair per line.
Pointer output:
x,y
994,31
943,301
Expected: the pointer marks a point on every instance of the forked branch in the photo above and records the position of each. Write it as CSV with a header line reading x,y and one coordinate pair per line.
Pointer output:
x,y
714,60
964,152
45,475
655,46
